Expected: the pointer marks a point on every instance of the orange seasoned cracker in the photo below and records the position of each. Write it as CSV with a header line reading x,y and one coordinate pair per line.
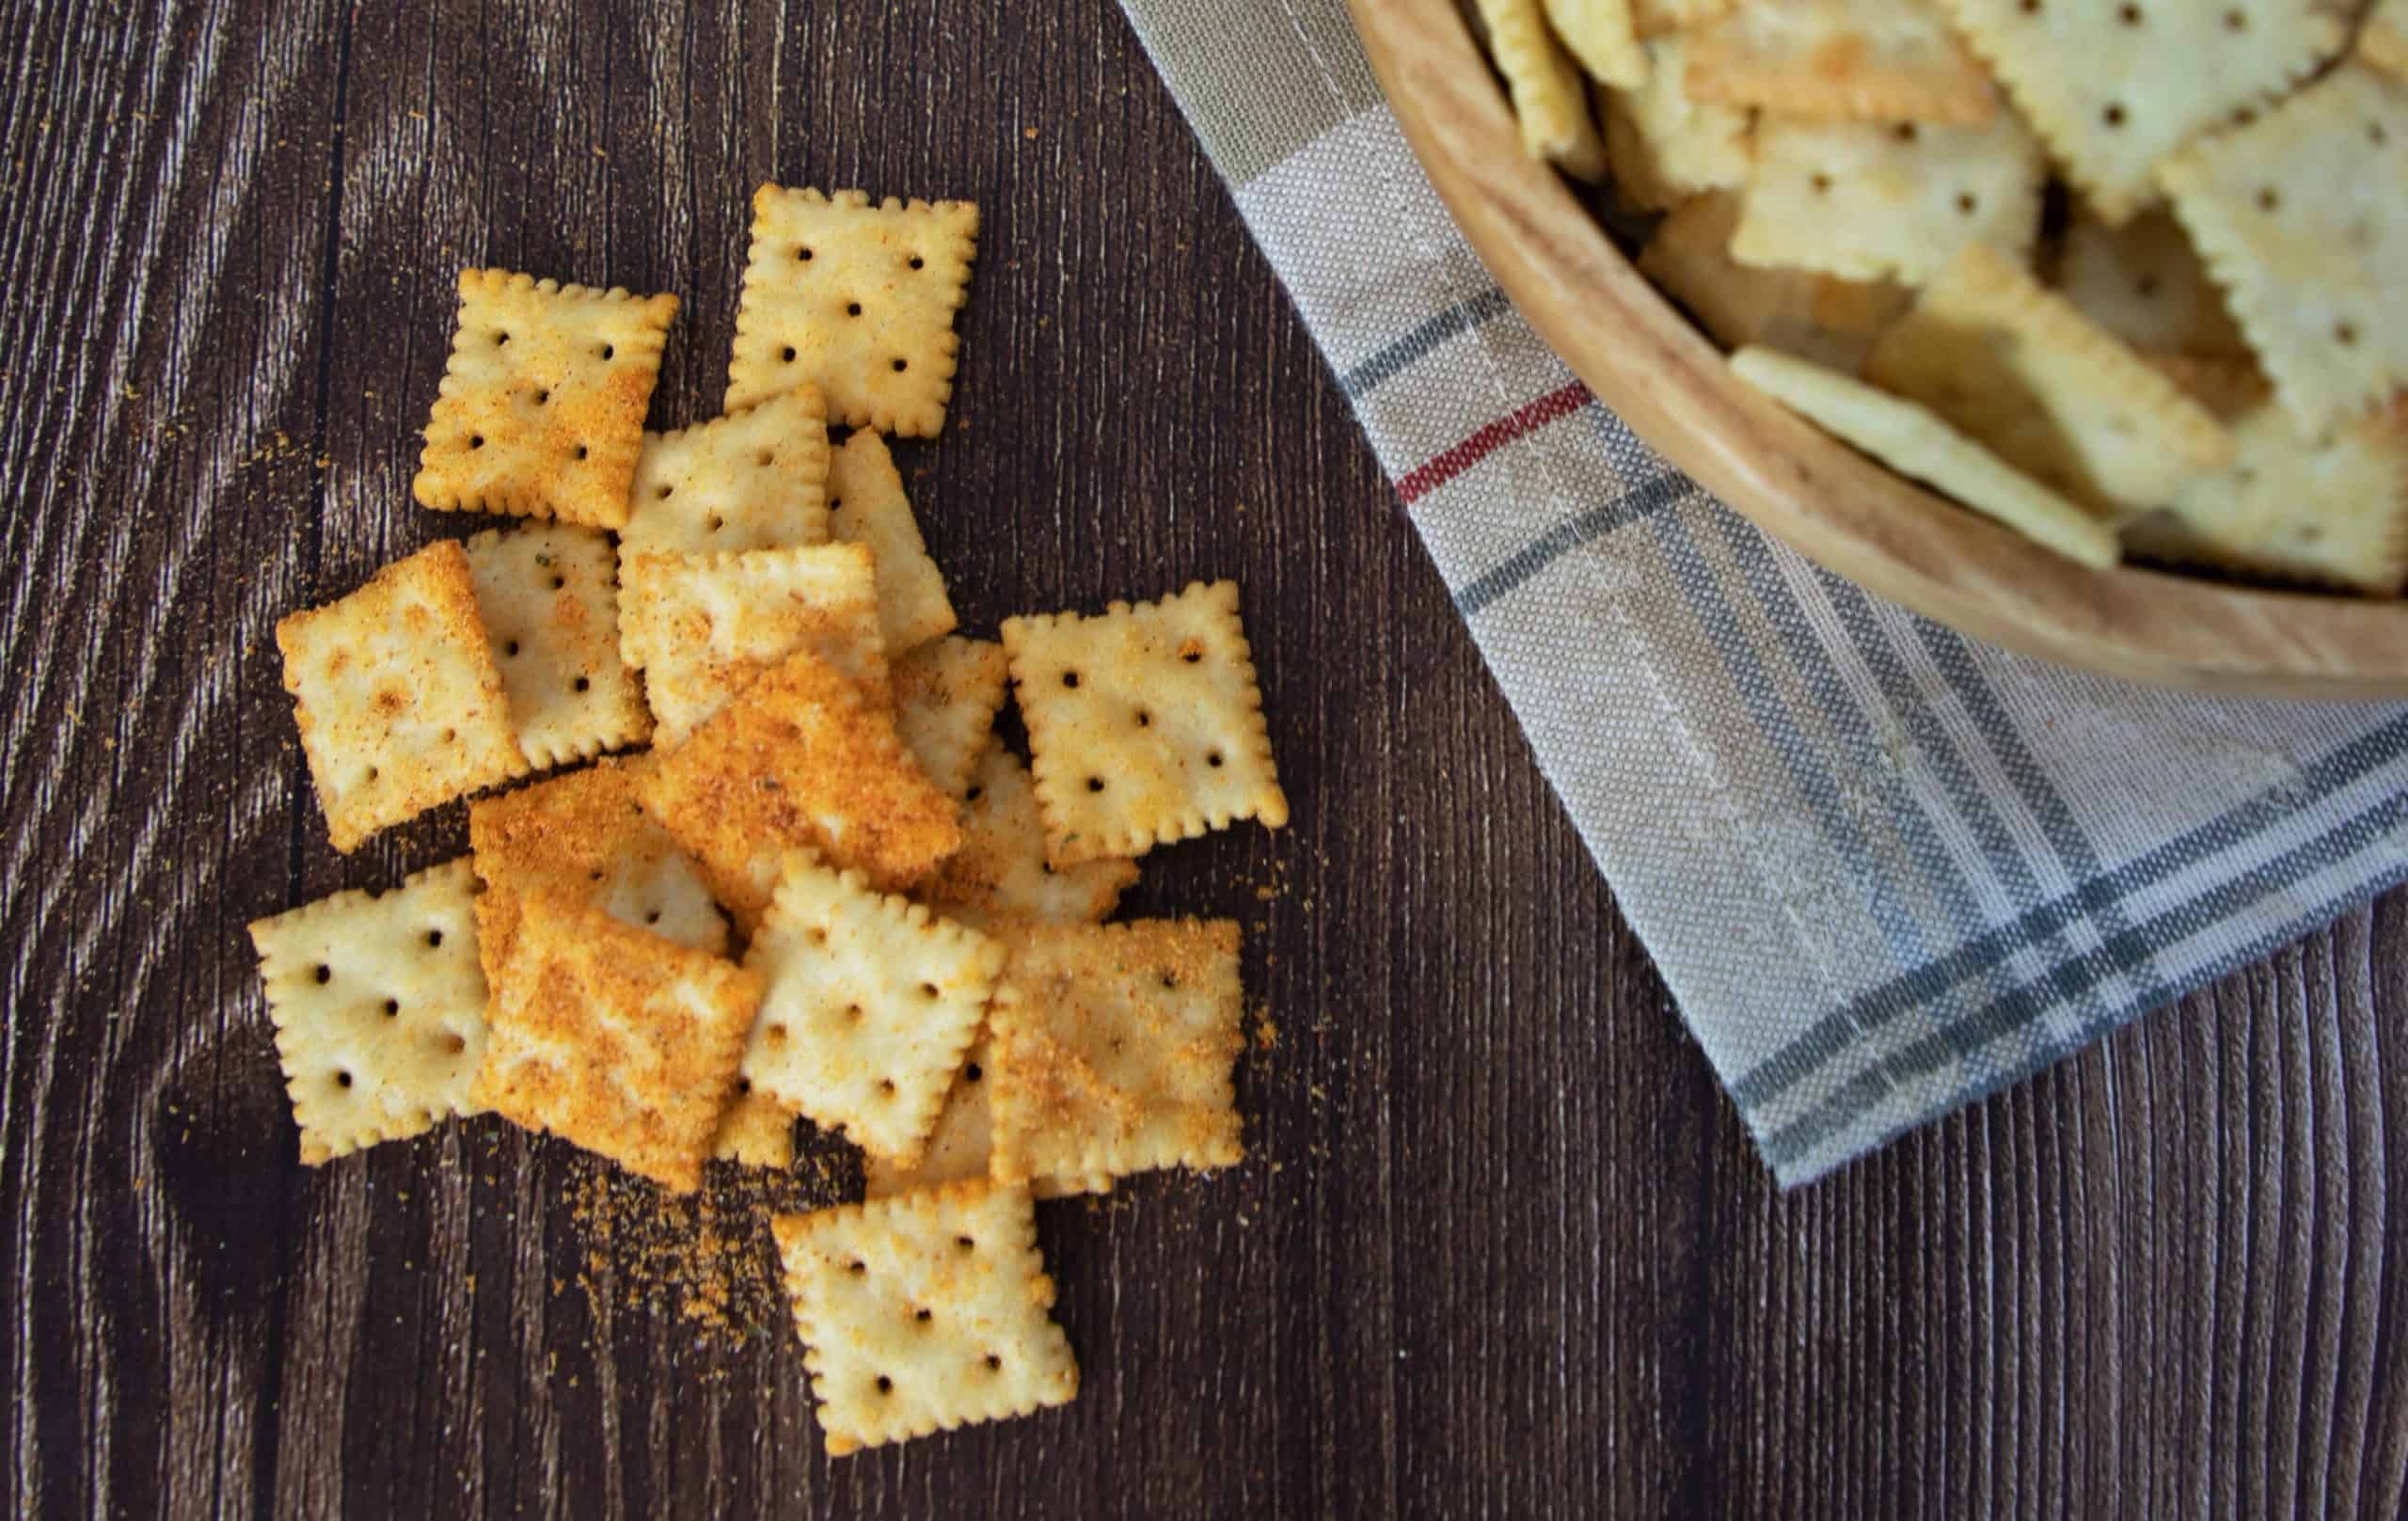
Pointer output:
x,y
547,594
1842,60
754,1130
757,478
1001,872
2144,282
1819,317
1664,144
1548,100
540,411
947,695
866,506
398,703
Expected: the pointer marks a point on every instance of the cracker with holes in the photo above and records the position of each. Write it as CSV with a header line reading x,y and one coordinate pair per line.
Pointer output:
x,y
962,1144
2382,41
1603,38
754,1130
548,597
857,299
1818,317
757,478
799,761
869,1003
2144,282
1001,872
704,627
1550,100
2012,364
1842,60
2303,217
923,1312
866,506
541,409
398,700
1143,724
1914,441
614,1038
379,1009
1867,201
2113,86
1113,1049
1665,144
947,695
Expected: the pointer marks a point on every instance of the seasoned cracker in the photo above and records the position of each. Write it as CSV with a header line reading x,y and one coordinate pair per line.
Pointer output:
x,y
923,1312
866,506
2303,217
1114,1047
1867,202
395,691
2012,365
1842,60
1818,317
704,627
870,1003
615,1040
1145,724
1548,100
2144,282
540,411
856,299
947,695
379,1009
799,761
548,597
754,1130
2382,41
2114,85
1602,37
1664,144
1001,873
757,478
1915,442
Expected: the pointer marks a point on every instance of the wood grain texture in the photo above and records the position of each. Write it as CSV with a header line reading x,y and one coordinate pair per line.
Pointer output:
x,y
1500,1248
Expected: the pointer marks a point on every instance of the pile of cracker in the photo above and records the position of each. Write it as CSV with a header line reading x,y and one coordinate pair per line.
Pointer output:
x,y
809,882
2123,275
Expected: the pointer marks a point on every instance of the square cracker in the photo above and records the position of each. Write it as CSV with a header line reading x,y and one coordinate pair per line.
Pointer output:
x,y
1842,60
704,627
754,480
947,695
856,299
379,1009
799,761
869,1003
1113,1048
2383,39
1603,38
1145,724
2303,217
962,1144
1818,317
398,703
540,410
1915,442
754,1129
2144,282
1544,86
2012,364
866,505
1001,873
616,1040
548,597
2114,85
1664,144
923,1312
1867,202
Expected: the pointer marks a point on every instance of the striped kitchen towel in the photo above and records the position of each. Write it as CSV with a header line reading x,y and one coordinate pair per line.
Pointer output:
x,y
1884,870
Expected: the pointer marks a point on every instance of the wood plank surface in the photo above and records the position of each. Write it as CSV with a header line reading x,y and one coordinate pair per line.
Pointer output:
x,y
1500,1248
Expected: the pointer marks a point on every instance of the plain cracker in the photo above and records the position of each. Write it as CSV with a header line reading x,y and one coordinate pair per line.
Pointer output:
x,y
1663,144
1001,872
2144,282
947,695
757,478
1602,37
1818,317
866,506
549,600
1841,60
1545,88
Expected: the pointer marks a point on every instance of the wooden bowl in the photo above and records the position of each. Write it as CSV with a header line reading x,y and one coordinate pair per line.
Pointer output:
x,y
1643,359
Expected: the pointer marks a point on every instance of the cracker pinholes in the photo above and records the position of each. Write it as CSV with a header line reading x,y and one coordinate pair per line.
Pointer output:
x,y
1001,873
856,299
2015,367
754,1130
1549,99
614,1038
1866,201
2144,282
549,601
958,1144
866,506
1819,317
1143,724
1664,144
754,480
923,1312
1114,1046
1602,37
2114,85
869,1002
540,411
946,694
2303,217
1914,442
703,628
379,1009
1842,60
397,697
799,760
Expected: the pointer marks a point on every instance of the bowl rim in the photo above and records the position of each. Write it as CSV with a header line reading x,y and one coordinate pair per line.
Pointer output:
x,y
1641,358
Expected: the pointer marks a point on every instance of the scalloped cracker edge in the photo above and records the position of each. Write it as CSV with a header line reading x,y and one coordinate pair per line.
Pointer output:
x,y
1663,144
548,597
2144,282
866,506
1818,317
755,479
1544,85
1603,38
1842,60
1001,872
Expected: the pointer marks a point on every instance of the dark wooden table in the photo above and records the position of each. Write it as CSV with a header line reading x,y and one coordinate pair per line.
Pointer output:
x,y
1501,1249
